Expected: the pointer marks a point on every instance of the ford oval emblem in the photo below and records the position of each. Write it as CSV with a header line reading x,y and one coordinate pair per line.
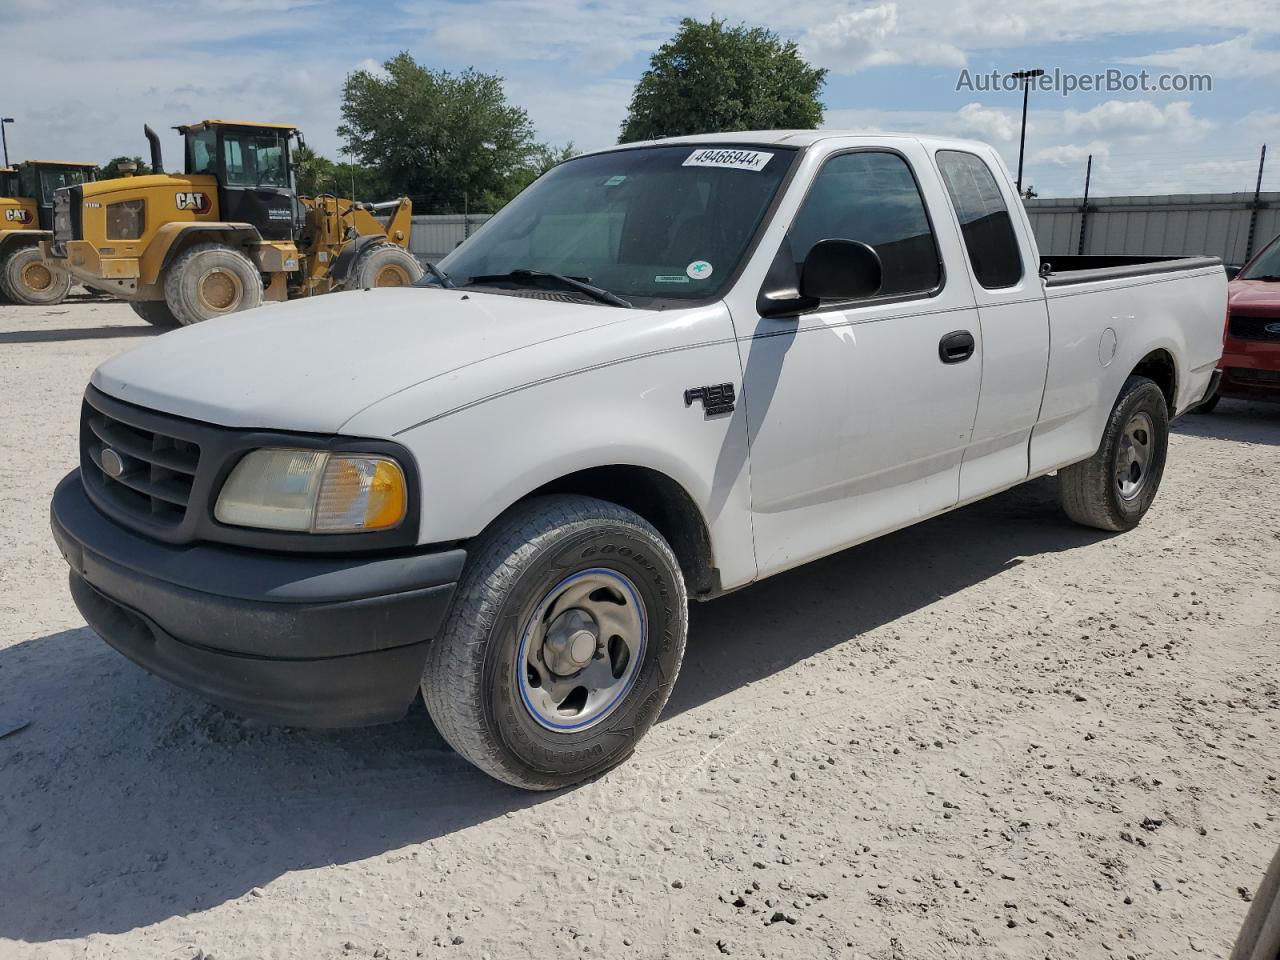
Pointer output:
x,y
112,465
1272,328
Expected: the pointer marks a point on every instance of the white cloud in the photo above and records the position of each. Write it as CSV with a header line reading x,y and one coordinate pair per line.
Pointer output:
x,y
1238,56
863,38
986,123
1138,117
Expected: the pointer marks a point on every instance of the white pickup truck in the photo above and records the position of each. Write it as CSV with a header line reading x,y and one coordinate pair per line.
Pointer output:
x,y
665,370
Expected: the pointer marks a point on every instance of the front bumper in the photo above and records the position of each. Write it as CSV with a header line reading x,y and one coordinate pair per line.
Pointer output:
x,y
303,639
1250,369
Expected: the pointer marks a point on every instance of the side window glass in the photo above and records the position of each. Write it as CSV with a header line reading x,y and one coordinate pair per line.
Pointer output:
x,y
872,197
233,159
984,218
203,152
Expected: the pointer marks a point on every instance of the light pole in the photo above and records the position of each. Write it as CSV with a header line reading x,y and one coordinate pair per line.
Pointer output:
x,y
3,139
1025,76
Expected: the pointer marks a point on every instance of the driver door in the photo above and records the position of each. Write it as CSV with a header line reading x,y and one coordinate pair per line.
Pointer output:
x,y
857,424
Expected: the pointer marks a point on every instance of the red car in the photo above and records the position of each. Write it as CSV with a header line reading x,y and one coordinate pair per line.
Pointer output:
x,y
1251,349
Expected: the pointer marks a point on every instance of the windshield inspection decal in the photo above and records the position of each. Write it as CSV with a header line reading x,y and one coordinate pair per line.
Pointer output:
x,y
677,278
614,181
698,270
733,159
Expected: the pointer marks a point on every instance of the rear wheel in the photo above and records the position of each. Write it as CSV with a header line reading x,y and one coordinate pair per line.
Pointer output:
x,y
384,265
562,644
32,280
210,280
155,312
1113,489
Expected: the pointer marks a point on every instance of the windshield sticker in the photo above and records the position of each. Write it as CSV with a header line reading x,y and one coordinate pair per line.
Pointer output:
x,y
614,181
732,159
671,279
698,270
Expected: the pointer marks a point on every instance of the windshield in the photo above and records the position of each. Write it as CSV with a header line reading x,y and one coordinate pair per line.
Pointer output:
x,y
55,178
662,222
1266,266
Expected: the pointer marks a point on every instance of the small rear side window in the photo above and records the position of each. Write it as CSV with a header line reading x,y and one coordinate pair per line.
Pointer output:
x,y
984,218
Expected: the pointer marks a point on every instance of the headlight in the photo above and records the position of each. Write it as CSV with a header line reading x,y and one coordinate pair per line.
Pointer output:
x,y
313,491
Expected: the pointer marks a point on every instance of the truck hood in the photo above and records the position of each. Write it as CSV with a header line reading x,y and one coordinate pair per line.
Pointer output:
x,y
1261,294
312,364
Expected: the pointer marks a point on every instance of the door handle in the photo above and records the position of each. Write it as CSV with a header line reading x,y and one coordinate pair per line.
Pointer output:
x,y
956,346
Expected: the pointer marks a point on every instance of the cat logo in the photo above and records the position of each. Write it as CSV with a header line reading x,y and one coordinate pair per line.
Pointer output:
x,y
16,215
194,201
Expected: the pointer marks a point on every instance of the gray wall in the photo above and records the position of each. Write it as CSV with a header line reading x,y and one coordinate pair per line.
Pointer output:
x,y
1204,223
434,235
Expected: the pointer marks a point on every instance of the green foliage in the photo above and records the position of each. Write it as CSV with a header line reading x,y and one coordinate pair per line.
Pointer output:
x,y
436,135
316,175
710,78
111,169
544,158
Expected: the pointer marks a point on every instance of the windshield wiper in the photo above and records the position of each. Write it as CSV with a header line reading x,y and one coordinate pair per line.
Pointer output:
x,y
573,283
440,275
1266,277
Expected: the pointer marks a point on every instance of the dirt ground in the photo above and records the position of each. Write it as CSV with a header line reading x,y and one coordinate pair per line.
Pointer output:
x,y
992,735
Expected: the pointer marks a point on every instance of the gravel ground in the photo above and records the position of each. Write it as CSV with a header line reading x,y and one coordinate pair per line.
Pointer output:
x,y
992,735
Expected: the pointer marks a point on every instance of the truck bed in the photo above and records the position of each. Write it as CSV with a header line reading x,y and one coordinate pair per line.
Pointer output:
x,y
1064,269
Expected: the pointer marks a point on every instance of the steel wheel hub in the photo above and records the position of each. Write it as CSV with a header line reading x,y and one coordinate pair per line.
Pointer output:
x,y
391,276
37,276
220,289
1134,456
581,650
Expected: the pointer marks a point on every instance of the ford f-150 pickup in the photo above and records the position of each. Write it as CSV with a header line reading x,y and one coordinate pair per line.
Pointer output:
x,y
664,371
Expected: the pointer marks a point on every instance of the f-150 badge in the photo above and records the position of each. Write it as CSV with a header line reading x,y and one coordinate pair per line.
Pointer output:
x,y
715,399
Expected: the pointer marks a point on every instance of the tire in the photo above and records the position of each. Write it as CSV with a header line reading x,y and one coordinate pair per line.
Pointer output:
x,y
1114,488
384,265
524,585
32,280
155,312
211,280
1208,405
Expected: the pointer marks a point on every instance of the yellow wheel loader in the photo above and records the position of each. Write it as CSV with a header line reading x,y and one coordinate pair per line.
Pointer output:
x,y
228,233
26,218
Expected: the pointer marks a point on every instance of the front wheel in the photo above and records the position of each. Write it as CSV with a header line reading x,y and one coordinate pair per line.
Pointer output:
x,y
562,645
32,280
1114,488
210,280
384,265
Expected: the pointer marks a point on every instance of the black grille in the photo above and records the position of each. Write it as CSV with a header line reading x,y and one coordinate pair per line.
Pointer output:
x,y
1255,376
1255,328
145,473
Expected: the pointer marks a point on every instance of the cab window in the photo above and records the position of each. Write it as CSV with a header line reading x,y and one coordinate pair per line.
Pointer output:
x,y
8,184
872,197
255,159
202,151
984,218
53,178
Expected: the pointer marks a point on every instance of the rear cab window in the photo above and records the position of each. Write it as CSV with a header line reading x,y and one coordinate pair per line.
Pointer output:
x,y
872,196
984,218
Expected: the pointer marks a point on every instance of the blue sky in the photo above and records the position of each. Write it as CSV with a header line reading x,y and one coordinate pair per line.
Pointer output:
x,y
81,79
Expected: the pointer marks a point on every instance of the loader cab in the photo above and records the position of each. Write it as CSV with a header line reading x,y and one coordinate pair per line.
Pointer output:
x,y
252,165
37,181
8,182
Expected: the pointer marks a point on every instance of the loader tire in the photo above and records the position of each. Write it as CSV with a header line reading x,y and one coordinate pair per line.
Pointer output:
x,y
562,643
155,312
1113,489
384,265
32,280
211,280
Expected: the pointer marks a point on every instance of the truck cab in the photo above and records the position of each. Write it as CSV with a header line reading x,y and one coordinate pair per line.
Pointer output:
x,y
26,218
664,371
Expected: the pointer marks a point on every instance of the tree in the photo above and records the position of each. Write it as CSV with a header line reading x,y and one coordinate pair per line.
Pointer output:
x,y
436,135
544,158
111,169
710,78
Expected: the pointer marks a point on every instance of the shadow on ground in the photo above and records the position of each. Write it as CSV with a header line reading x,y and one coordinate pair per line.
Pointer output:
x,y
126,801
77,333
1239,420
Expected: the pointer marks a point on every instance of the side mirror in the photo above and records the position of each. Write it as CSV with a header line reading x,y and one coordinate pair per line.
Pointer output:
x,y
833,270
841,270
